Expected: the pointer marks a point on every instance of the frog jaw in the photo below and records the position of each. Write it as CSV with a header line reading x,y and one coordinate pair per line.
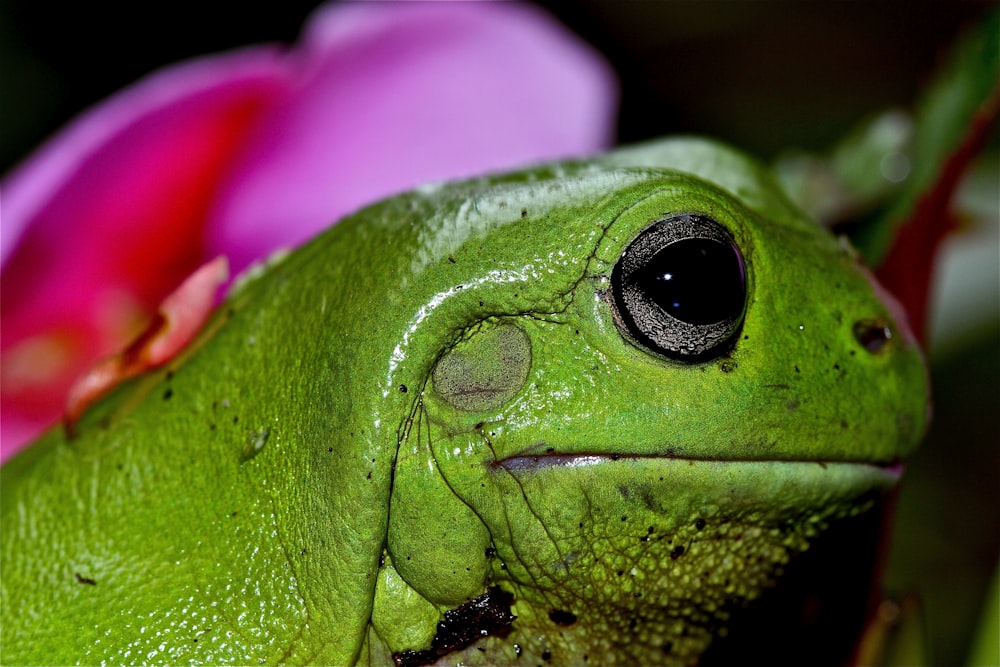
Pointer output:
x,y
650,555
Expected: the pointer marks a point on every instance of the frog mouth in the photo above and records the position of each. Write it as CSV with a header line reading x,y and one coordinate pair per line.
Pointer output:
x,y
670,482
527,463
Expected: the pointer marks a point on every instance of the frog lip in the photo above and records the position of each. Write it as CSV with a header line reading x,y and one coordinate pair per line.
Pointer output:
x,y
527,463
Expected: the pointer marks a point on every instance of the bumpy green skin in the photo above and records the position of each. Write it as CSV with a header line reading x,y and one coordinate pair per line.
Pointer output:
x,y
310,483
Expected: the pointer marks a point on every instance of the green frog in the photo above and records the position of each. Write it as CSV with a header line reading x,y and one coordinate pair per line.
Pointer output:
x,y
575,414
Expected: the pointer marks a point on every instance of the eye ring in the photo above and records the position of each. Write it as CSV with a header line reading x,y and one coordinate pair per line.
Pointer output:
x,y
679,289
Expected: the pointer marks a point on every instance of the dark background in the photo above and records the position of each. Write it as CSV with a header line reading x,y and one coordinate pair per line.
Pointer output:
x,y
761,75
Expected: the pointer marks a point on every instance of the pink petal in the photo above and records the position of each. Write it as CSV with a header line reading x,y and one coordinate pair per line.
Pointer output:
x,y
108,217
177,322
93,140
391,95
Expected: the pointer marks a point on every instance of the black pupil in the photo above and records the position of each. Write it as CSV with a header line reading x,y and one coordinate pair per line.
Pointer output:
x,y
698,281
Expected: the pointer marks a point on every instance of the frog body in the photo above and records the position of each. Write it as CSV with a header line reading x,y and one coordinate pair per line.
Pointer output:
x,y
448,409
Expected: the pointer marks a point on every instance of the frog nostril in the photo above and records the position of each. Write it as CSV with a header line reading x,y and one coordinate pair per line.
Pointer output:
x,y
872,334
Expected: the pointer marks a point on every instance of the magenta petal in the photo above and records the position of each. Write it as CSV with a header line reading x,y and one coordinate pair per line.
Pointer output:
x,y
109,216
391,95
41,181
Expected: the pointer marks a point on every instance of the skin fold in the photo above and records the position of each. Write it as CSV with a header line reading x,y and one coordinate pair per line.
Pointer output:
x,y
427,435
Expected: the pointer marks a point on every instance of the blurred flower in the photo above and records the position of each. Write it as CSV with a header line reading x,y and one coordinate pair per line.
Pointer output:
x,y
244,152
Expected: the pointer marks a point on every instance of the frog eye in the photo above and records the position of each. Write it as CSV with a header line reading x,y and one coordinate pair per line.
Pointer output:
x,y
679,289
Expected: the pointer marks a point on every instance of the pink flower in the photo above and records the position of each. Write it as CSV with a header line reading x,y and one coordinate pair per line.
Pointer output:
x,y
244,152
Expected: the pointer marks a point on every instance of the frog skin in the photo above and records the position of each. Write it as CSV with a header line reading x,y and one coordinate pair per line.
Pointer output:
x,y
461,426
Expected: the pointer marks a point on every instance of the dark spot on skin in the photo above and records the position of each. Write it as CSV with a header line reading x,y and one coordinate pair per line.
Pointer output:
x,y
86,581
650,530
677,553
727,365
562,617
232,514
632,623
402,389
873,335
620,572
369,476
667,647
624,517
796,369
488,614
169,375
236,419
302,553
490,552
451,259
844,425
524,213
792,404
329,449
699,524
648,499
480,304
546,655
167,394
